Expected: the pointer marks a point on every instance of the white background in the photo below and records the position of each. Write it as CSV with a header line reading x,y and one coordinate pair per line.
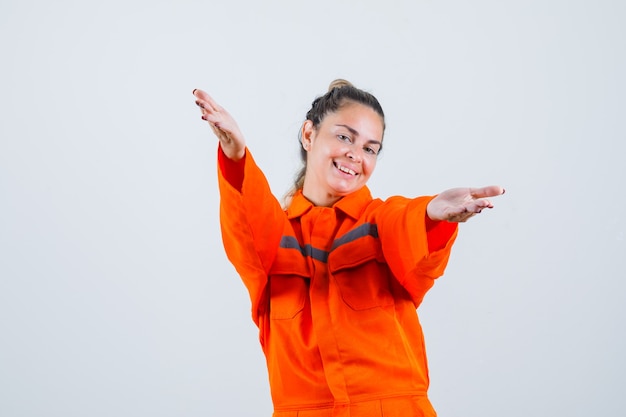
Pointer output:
x,y
116,298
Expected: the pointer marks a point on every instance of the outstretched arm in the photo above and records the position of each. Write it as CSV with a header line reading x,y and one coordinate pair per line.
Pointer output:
x,y
459,204
224,126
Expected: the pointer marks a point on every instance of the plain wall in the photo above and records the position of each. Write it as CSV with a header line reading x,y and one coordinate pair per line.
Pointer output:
x,y
115,295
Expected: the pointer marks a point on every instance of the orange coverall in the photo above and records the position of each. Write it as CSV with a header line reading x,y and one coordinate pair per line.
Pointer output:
x,y
334,292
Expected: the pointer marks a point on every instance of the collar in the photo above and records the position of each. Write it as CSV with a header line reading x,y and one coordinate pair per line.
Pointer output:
x,y
352,204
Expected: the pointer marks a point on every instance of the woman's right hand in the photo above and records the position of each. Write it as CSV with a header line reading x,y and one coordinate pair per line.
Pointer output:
x,y
224,126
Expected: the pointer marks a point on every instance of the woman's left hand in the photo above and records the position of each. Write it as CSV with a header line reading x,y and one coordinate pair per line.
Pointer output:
x,y
459,204
223,125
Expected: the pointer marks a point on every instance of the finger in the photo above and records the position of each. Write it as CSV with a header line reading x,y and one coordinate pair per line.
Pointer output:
x,y
460,217
217,122
479,205
202,108
205,106
489,191
207,100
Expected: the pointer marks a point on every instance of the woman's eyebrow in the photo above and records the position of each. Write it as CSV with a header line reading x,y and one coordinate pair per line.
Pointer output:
x,y
352,130
356,133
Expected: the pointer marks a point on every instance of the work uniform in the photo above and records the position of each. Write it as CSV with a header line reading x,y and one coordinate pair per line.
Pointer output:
x,y
334,292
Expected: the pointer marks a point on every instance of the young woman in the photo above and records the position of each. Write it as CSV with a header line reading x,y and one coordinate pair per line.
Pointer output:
x,y
335,278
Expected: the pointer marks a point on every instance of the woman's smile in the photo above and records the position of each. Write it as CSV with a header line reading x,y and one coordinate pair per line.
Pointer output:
x,y
345,170
341,152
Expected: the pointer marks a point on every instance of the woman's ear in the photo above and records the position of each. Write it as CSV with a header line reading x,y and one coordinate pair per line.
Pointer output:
x,y
307,134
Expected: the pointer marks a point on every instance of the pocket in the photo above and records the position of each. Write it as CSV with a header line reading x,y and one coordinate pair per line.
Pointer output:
x,y
287,296
288,285
361,274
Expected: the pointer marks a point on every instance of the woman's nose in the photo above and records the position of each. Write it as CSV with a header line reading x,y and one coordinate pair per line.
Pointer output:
x,y
353,154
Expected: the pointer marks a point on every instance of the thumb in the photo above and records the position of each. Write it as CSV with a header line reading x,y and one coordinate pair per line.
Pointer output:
x,y
489,191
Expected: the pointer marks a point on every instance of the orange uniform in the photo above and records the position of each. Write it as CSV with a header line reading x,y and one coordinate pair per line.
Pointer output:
x,y
334,293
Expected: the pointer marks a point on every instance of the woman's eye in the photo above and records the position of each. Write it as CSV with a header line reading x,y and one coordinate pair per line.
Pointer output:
x,y
371,151
344,138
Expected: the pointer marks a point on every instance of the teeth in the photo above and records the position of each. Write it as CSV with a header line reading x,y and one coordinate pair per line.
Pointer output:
x,y
347,170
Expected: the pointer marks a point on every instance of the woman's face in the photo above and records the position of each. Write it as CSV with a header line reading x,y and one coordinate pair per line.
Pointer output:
x,y
341,152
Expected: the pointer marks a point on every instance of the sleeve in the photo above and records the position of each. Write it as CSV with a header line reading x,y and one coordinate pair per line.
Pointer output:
x,y
251,221
416,248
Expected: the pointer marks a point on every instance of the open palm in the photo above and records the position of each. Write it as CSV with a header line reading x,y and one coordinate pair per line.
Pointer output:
x,y
460,204
224,126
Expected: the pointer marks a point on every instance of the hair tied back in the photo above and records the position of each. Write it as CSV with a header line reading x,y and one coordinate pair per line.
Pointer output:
x,y
339,83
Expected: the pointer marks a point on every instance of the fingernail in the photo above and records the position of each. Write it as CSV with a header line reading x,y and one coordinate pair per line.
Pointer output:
x,y
503,191
194,91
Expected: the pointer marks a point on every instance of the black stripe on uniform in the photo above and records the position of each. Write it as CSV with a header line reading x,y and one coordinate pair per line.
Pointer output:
x,y
366,229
